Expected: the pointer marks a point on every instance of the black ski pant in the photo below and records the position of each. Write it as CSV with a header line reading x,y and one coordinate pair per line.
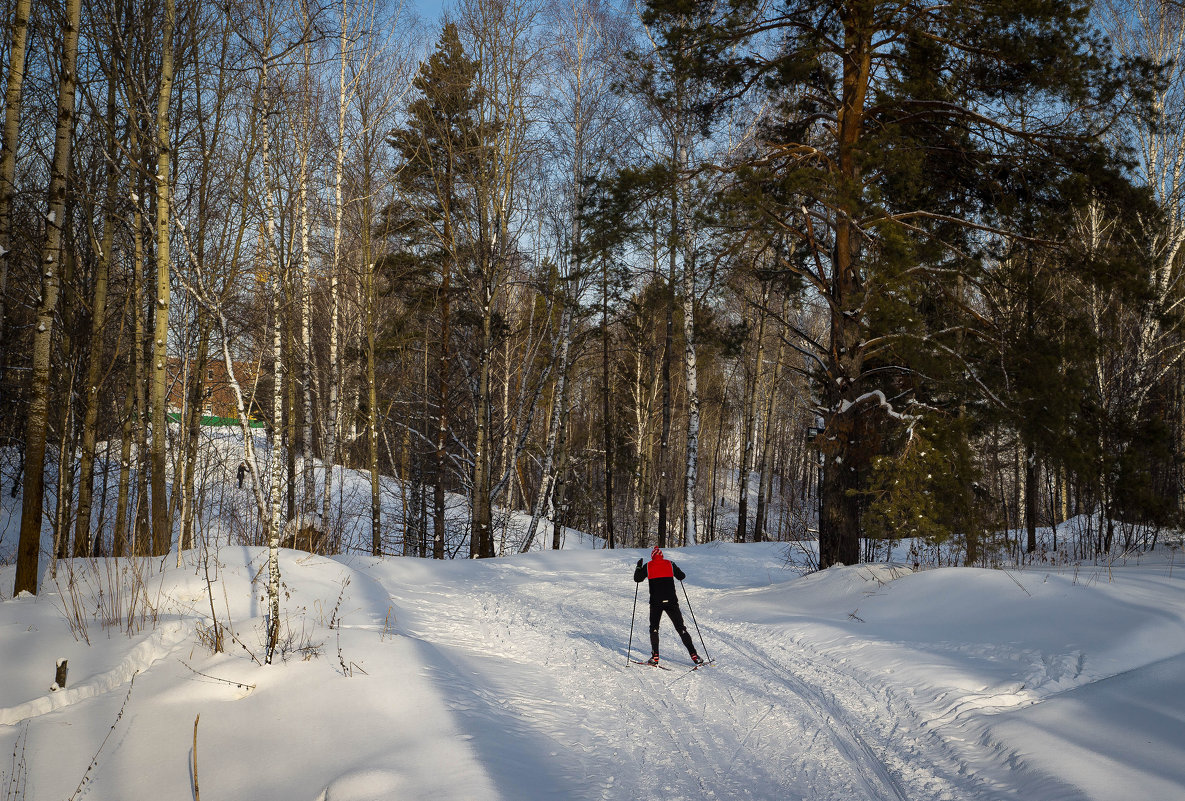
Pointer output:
x,y
676,615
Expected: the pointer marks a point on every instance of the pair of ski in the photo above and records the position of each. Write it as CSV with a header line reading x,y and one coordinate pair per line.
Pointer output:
x,y
665,667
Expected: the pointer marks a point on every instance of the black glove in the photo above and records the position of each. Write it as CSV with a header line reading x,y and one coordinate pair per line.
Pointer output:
x,y
639,563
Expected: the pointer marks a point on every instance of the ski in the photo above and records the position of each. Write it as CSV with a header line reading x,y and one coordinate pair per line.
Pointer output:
x,y
648,664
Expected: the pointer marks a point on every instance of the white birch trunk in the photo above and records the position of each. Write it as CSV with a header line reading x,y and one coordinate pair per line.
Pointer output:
x,y
308,501
249,457
543,500
333,408
274,462
162,533
690,536
38,415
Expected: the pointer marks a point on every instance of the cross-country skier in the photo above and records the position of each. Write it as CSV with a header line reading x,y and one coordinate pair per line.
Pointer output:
x,y
662,574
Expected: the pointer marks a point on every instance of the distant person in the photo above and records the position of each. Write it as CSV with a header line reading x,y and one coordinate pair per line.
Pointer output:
x,y
662,574
242,473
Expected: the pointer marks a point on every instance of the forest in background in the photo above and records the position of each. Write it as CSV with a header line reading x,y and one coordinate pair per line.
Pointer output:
x,y
899,271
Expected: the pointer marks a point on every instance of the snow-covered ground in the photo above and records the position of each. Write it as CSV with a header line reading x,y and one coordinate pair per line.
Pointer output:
x,y
508,679
405,678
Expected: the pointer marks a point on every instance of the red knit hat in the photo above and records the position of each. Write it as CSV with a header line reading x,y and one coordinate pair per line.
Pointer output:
x,y
656,553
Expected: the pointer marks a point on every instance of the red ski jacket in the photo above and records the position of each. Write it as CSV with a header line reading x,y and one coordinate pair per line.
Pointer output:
x,y
662,574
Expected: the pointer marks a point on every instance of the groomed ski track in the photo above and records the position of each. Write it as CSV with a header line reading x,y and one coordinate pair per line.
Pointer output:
x,y
530,656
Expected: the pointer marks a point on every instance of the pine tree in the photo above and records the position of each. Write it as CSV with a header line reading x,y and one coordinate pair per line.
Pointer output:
x,y
436,146
894,131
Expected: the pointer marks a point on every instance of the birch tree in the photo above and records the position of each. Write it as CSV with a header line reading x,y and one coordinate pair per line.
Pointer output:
x,y
269,49
29,542
162,528
1156,31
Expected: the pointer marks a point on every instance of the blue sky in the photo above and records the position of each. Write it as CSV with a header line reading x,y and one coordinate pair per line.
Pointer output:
x,y
430,10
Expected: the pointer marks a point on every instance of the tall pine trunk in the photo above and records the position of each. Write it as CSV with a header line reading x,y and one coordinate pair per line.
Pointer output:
x,y
442,395
839,528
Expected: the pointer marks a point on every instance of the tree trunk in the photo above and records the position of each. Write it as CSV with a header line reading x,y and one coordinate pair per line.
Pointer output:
x,y
482,536
750,422
558,495
690,535
290,438
82,538
548,474
308,500
765,472
37,422
442,410
119,536
162,529
606,407
839,529
665,437
140,523
8,145
372,420
275,284
713,494
194,430
333,408
1032,495
64,500
508,431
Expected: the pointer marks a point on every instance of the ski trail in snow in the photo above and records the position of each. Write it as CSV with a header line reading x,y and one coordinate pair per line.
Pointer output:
x,y
878,782
766,722
918,758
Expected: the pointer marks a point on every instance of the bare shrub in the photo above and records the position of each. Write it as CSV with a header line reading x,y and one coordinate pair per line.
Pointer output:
x,y
114,593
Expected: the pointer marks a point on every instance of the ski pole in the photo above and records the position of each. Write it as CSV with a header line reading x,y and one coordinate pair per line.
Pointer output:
x,y
629,651
693,620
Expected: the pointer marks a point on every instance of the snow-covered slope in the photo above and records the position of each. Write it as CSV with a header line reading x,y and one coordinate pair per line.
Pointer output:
x,y
508,679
